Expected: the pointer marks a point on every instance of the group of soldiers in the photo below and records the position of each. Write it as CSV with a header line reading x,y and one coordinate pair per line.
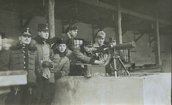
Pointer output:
x,y
47,60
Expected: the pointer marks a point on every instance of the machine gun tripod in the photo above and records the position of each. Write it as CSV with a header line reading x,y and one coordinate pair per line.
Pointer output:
x,y
117,58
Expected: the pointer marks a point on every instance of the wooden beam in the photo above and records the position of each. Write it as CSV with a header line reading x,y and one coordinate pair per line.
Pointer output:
x,y
119,39
129,56
93,34
63,25
51,17
140,36
158,50
123,10
0,42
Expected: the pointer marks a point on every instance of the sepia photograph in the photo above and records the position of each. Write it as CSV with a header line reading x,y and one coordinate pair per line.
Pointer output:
x,y
85,52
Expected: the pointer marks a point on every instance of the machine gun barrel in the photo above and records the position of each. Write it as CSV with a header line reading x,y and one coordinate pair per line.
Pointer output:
x,y
128,45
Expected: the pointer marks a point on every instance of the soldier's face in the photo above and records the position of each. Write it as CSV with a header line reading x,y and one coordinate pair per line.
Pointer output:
x,y
25,39
62,48
88,49
113,43
73,33
44,34
100,40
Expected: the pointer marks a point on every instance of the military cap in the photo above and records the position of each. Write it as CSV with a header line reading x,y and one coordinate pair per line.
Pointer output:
x,y
26,32
43,27
60,41
101,34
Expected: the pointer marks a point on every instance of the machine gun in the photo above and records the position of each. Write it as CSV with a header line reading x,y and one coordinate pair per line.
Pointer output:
x,y
107,48
123,46
111,49
115,57
98,52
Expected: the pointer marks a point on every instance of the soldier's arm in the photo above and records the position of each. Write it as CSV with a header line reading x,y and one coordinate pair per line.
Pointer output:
x,y
107,59
80,56
37,65
66,68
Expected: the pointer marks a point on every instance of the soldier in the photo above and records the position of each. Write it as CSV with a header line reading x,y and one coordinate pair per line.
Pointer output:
x,y
45,79
101,49
23,56
87,48
60,60
70,37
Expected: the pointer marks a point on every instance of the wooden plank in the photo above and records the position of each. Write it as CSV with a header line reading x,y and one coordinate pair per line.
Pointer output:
x,y
9,78
51,17
140,36
158,50
4,90
0,42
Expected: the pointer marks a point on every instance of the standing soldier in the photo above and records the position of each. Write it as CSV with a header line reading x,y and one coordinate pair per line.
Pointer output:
x,y
61,62
102,52
45,85
70,37
23,56
74,43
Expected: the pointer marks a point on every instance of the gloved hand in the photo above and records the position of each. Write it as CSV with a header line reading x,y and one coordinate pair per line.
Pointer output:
x,y
46,73
94,61
99,62
47,64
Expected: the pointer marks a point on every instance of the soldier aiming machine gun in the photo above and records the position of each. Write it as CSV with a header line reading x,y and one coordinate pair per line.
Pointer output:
x,y
112,49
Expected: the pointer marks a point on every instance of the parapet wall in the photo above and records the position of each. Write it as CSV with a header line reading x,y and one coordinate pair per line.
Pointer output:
x,y
138,90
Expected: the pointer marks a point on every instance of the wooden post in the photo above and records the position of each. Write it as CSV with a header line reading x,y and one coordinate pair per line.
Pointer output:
x,y
93,33
0,42
158,50
51,17
129,56
119,38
